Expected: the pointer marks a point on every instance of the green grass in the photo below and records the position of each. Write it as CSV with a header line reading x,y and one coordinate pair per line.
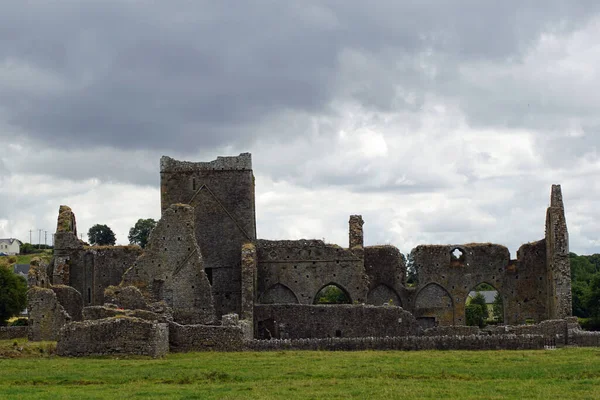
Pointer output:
x,y
563,373
45,255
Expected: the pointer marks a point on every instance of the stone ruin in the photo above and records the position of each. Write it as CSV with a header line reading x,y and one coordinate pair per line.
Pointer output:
x,y
205,281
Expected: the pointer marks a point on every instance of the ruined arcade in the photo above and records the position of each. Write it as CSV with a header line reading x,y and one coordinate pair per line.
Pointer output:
x,y
206,281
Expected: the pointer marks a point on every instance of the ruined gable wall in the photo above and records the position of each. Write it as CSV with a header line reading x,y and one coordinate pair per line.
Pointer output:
x,y
435,266
171,268
88,269
94,268
306,266
222,194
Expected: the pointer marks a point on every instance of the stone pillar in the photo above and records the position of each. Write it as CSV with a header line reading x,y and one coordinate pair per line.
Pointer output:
x,y
557,258
356,231
249,274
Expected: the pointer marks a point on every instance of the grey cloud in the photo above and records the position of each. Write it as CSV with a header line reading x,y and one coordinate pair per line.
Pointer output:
x,y
204,74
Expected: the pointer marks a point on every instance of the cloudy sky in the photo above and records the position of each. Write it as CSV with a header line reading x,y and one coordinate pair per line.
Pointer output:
x,y
438,121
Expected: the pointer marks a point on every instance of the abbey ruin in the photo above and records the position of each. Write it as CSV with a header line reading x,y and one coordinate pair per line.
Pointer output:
x,y
205,281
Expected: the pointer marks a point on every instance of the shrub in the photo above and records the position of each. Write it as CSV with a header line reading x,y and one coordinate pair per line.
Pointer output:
x,y
19,322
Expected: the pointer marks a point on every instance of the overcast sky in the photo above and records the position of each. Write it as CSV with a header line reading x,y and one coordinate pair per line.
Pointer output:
x,y
438,121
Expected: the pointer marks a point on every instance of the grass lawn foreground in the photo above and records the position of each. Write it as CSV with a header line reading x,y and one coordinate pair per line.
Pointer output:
x,y
29,370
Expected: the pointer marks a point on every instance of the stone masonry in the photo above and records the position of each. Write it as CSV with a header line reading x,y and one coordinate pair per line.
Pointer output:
x,y
172,268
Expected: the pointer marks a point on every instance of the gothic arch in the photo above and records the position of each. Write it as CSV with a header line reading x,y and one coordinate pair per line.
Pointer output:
x,y
381,294
340,287
434,302
278,294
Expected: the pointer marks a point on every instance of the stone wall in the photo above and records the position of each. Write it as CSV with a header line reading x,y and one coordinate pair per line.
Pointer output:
x,y
293,321
294,271
93,269
171,268
558,263
473,342
184,338
222,194
70,299
46,315
13,332
525,293
385,267
121,335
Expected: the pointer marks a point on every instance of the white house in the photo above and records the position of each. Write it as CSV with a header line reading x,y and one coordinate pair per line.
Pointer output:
x,y
10,246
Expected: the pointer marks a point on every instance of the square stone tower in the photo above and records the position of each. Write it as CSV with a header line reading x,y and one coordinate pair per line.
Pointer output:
x,y
222,194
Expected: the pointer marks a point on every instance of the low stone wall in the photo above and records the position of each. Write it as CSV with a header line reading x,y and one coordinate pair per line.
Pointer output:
x,y
184,338
456,330
122,335
472,342
13,332
295,321
584,338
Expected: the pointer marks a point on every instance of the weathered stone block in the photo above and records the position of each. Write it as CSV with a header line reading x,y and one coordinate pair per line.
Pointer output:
x,y
46,315
118,335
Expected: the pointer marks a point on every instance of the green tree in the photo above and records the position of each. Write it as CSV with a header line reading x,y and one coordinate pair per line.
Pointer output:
x,y
13,294
101,235
474,315
140,232
480,300
593,301
498,308
332,295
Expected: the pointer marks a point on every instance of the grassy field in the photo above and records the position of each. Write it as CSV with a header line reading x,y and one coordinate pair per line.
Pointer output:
x,y
563,373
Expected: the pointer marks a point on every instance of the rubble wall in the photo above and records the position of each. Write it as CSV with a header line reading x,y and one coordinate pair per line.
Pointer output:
x,y
119,335
293,321
291,271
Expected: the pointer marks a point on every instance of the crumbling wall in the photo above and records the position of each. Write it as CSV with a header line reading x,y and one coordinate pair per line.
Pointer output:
x,y
293,321
184,338
70,299
525,295
558,263
456,269
222,194
299,269
46,315
13,332
119,335
172,268
386,268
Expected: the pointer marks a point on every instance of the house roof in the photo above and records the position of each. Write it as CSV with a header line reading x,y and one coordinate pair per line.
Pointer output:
x,y
489,295
10,241
21,269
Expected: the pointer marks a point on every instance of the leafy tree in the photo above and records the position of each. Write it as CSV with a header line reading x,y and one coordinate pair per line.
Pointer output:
x,y
498,308
480,300
593,301
332,295
101,235
141,231
411,271
474,315
13,294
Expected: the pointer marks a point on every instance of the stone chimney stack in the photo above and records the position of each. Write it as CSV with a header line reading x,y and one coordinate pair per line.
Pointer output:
x,y
356,231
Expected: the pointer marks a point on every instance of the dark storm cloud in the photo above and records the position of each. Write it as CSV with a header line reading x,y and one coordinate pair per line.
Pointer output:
x,y
189,75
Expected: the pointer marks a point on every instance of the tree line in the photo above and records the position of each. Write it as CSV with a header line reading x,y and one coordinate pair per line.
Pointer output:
x,y
585,289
